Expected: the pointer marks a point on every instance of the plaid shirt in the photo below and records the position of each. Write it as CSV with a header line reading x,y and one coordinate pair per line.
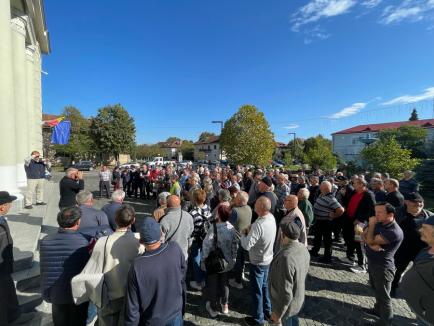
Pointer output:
x,y
281,192
105,175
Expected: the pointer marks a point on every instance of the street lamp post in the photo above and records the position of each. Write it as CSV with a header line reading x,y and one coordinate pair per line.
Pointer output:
x,y
293,133
221,128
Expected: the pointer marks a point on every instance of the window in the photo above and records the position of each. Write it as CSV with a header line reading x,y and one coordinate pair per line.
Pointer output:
x,y
209,147
215,146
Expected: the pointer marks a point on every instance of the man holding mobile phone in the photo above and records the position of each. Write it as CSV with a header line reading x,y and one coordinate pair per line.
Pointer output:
x,y
35,172
69,186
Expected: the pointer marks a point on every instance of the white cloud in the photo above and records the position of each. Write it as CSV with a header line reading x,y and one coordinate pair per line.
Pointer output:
x,y
318,9
346,112
407,99
371,3
408,10
291,126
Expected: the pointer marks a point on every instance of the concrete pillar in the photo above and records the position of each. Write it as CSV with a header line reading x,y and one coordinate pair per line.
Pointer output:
x,y
38,100
19,71
30,98
8,169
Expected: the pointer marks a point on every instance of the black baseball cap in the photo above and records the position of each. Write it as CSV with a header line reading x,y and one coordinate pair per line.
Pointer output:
x,y
6,198
413,196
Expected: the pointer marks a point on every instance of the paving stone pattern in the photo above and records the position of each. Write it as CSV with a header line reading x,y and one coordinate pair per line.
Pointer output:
x,y
334,295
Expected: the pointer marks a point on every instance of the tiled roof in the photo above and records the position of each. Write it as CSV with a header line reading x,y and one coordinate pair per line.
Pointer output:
x,y
427,123
281,145
209,140
174,144
46,116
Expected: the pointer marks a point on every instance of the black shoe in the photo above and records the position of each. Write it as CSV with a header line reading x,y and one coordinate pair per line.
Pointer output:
x,y
41,204
28,207
313,253
250,321
371,312
325,260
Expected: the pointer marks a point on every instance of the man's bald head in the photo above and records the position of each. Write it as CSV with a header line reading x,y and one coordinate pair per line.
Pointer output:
x,y
262,206
173,201
291,202
326,187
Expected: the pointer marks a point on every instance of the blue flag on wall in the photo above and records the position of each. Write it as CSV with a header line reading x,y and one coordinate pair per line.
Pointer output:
x,y
61,133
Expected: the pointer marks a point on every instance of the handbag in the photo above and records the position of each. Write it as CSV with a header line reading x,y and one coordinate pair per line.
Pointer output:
x,y
215,262
90,284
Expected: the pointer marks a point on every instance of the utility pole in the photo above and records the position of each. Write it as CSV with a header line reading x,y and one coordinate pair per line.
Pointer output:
x,y
221,128
293,133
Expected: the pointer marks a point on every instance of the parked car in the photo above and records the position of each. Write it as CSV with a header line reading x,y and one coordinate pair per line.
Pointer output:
x,y
82,166
128,165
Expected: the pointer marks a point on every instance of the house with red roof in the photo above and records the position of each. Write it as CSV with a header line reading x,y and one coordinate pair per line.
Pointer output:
x,y
208,150
349,143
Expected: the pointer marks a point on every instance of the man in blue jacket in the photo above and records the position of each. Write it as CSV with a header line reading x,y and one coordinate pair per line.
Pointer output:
x,y
155,281
63,255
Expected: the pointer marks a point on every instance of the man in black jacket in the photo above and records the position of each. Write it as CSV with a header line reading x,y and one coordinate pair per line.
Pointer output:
x,y
410,218
69,187
63,255
35,172
9,310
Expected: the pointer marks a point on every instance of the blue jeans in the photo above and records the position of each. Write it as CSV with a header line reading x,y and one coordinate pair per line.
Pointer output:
x,y
176,321
91,312
291,321
261,299
196,253
239,265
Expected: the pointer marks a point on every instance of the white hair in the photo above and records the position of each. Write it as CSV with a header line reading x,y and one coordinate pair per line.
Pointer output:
x,y
83,197
118,195
304,192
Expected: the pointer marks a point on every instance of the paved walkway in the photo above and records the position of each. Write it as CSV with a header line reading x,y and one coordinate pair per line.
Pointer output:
x,y
335,296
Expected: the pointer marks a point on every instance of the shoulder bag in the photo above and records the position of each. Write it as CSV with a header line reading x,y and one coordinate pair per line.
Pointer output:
x,y
215,262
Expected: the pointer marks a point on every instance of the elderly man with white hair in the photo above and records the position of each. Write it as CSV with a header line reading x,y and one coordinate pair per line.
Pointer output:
x,y
111,208
326,209
258,240
90,217
162,205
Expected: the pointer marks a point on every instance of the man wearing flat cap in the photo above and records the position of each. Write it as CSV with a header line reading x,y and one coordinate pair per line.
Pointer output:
x,y
266,190
155,281
9,310
410,218
287,276
418,283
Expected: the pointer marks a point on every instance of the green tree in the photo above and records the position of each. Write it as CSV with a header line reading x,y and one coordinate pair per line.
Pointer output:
x,y
173,139
414,116
318,153
187,150
246,137
296,149
81,144
145,151
409,137
204,136
114,130
387,155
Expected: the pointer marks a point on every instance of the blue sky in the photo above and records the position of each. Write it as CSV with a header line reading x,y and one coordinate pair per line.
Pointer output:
x,y
312,66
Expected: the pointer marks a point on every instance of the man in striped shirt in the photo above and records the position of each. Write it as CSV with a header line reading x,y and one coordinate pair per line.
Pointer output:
x,y
326,209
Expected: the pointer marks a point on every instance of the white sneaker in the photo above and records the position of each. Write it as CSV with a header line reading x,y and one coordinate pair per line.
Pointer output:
x,y
225,309
347,261
196,286
211,312
358,269
235,284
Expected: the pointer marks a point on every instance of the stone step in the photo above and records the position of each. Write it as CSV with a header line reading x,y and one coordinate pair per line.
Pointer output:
x,y
28,278
25,231
28,300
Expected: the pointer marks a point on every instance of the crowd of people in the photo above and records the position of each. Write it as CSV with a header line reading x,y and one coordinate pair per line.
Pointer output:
x,y
210,225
